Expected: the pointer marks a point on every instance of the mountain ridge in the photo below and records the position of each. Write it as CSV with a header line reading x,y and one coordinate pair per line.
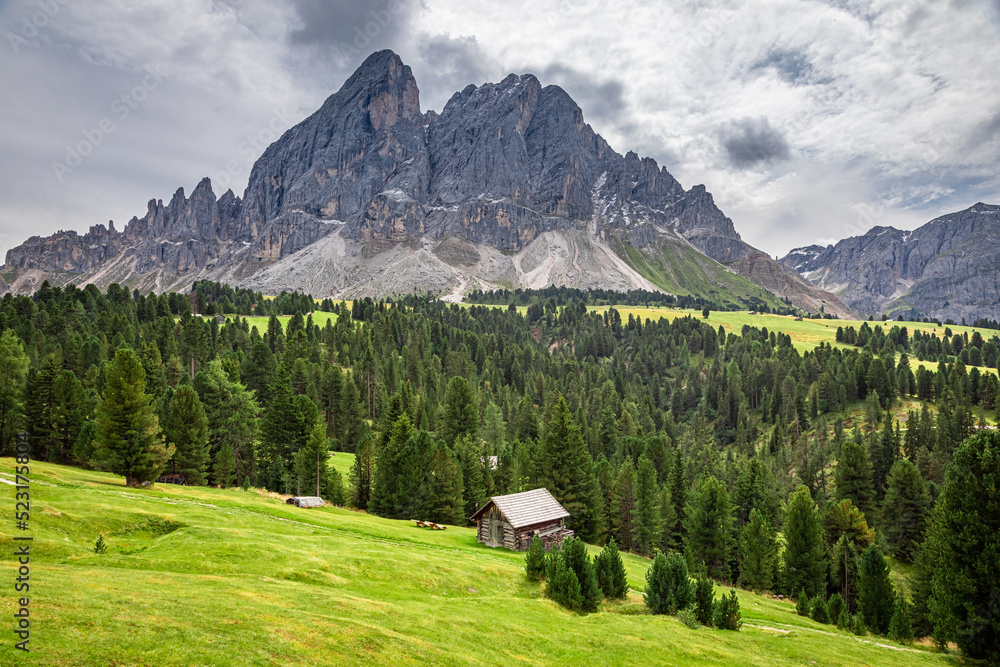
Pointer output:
x,y
506,186
948,268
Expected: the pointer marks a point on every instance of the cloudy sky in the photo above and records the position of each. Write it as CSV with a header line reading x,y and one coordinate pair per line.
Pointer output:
x,y
809,120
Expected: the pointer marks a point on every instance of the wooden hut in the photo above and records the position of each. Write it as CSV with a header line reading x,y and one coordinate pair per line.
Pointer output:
x,y
512,520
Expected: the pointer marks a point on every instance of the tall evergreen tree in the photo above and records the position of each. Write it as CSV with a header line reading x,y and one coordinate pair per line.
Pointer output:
x,y
128,433
709,526
623,506
362,474
186,428
312,462
854,478
610,571
646,526
876,596
14,371
460,412
567,471
804,557
964,548
389,495
905,510
758,552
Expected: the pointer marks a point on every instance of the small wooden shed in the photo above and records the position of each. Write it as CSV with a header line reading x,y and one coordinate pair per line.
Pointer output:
x,y
511,521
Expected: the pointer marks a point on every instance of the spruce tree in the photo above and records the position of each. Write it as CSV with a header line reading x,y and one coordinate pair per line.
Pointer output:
x,y
900,628
472,462
128,433
818,610
442,488
835,605
758,553
727,614
387,496
905,510
361,475
804,557
186,428
876,596
312,462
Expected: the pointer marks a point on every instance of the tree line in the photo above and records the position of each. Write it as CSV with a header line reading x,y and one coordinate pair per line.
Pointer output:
x,y
761,465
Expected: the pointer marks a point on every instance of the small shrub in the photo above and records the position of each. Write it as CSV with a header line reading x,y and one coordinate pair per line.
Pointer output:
x,y
859,628
534,561
835,606
610,572
727,612
668,588
844,619
900,627
819,611
688,618
100,547
802,604
704,593
246,483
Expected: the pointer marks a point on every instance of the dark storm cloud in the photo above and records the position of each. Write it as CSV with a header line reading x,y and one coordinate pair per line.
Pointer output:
x,y
448,64
347,25
752,141
791,65
601,101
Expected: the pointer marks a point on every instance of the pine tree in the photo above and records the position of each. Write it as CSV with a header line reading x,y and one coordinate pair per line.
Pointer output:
x,y
610,571
704,596
963,546
758,552
335,491
709,526
876,596
472,462
312,462
818,610
727,614
854,478
567,471
844,620
128,433
534,561
186,428
460,413
900,629
905,510
885,451
678,494
574,552
668,588
623,506
804,557
646,526
225,464
802,603
361,475
387,494
14,371
835,605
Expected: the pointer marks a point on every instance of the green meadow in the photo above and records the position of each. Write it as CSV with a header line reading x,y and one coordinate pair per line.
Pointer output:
x,y
201,576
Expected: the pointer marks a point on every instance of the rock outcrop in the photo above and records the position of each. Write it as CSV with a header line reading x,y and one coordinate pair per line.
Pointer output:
x,y
948,268
507,186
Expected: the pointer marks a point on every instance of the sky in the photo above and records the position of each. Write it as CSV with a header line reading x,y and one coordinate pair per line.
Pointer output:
x,y
808,120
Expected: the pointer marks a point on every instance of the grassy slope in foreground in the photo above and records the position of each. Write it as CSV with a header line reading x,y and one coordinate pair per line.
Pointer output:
x,y
206,576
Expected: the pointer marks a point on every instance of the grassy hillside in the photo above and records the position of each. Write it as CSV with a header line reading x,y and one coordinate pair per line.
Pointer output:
x,y
225,577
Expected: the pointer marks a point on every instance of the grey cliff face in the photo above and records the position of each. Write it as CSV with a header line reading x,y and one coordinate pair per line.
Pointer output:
x,y
510,172
948,268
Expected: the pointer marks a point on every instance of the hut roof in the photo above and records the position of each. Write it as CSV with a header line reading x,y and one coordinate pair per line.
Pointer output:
x,y
526,508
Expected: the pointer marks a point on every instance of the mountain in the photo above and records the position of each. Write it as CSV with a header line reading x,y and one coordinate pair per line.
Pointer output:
x,y
948,268
506,187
